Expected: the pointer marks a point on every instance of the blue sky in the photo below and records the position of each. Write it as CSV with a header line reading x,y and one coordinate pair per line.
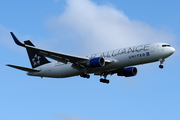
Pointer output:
x,y
83,27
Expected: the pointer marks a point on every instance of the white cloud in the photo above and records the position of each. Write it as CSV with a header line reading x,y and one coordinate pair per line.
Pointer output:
x,y
86,26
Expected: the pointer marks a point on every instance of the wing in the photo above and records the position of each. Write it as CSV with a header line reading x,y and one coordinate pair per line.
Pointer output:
x,y
65,58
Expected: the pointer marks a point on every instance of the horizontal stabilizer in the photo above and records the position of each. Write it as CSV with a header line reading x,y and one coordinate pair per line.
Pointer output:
x,y
24,68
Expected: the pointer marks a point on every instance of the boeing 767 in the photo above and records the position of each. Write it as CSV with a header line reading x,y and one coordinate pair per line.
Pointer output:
x,y
120,61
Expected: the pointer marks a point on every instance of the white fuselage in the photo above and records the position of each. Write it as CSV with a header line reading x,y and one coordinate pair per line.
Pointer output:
x,y
119,58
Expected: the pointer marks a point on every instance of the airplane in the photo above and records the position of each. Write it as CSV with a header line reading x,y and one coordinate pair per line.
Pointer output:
x,y
120,61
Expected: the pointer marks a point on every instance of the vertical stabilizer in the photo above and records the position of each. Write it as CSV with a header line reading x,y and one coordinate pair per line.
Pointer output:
x,y
35,58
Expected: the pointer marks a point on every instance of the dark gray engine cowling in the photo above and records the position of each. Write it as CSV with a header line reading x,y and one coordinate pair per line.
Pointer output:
x,y
128,72
96,62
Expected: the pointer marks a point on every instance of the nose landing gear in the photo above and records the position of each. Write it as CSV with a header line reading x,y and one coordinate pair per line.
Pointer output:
x,y
161,66
161,62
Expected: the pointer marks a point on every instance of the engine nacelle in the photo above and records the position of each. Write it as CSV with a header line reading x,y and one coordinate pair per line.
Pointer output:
x,y
96,62
128,72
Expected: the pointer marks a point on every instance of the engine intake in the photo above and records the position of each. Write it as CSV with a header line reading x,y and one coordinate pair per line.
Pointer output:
x,y
96,62
128,72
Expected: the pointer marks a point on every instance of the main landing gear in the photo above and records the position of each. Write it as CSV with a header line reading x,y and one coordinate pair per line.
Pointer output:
x,y
104,80
85,76
161,62
101,80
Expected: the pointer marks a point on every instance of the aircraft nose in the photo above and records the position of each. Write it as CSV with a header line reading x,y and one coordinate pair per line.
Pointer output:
x,y
172,50
169,51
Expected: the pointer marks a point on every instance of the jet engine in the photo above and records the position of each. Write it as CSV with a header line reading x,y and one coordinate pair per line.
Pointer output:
x,y
96,62
128,72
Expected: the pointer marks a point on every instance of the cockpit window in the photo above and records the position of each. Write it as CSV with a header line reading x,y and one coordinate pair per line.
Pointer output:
x,y
166,46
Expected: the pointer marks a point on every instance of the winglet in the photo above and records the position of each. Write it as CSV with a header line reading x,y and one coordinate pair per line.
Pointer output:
x,y
16,40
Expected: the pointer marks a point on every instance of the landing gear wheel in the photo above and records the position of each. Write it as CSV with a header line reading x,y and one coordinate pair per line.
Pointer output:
x,y
161,66
107,81
85,76
88,76
101,80
104,80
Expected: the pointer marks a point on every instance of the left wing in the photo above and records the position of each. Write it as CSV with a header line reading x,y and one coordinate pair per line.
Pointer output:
x,y
61,57
24,68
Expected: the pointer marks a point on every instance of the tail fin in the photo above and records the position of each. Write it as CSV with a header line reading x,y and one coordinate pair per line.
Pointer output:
x,y
35,58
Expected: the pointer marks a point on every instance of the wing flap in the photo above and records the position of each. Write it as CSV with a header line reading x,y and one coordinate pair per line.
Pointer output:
x,y
23,68
58,56
55,57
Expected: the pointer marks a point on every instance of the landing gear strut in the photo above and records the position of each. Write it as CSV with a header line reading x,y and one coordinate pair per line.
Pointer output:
x,y
104,80
161,62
